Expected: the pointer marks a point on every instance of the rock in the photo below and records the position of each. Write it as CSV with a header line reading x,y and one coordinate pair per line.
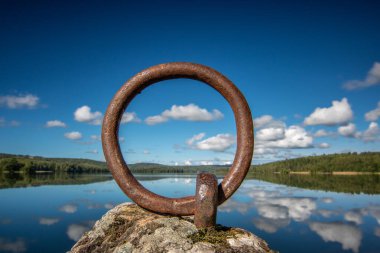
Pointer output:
x,y
129,228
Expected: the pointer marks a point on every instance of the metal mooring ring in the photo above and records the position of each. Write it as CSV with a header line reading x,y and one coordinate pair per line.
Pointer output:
x,y
110,130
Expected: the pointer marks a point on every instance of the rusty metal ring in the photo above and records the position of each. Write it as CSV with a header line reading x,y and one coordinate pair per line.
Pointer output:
x,y
115,161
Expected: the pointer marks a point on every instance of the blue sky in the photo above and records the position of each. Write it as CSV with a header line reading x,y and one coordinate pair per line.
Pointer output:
x,y
61,63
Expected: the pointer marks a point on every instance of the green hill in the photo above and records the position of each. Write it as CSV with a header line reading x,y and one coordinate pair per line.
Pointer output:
x,y
347,162
22,171
35,164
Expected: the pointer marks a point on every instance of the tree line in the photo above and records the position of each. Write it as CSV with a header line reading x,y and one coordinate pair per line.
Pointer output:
x,y
357,162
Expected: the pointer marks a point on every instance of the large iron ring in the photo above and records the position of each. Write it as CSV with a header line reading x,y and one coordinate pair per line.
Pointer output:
x,y
115,161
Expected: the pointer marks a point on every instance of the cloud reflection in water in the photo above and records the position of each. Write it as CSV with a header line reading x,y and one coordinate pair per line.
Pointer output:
x,y
348,235
16,246
278,206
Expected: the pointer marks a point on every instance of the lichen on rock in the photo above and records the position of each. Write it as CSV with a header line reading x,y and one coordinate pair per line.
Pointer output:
x,y
128,228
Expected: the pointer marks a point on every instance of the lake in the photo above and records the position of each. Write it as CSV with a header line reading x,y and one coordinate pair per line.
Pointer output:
x,y
51,218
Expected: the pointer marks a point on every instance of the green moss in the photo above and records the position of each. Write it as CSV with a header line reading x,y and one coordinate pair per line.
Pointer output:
x,y
217,235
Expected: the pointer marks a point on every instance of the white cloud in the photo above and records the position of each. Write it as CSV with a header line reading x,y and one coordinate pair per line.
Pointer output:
x,y
21,101
129,117
84,114
371,134
153,120
322,133
68,208
294,137
270,134
16,246
190,112
146,152
372,79
267,121
188,162
274,138
73,135
262,121
48,221
323,145
260,149
55,123
349,236
348,130
374,114
218,143
339,113
196,137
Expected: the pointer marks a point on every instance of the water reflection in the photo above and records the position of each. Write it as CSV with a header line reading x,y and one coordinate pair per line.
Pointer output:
x,y
75,231
69,208
12,180
332,216
327,200
369,184
377,231
5,221
349,236
328,213
14,246
48,221
282,215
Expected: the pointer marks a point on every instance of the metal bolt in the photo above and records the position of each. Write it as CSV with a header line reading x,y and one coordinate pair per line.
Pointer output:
x,y
206,200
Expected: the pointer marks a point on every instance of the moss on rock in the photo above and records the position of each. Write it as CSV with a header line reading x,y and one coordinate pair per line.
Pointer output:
x,y
128,228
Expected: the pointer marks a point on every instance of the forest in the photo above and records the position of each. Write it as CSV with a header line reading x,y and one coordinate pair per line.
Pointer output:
x,y
368,162
350,162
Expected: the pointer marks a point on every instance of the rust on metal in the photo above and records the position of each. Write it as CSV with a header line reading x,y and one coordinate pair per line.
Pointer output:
x,y
206,200
118,167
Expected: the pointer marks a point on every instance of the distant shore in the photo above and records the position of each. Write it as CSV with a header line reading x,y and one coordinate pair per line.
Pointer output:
x,y
336,173
332,164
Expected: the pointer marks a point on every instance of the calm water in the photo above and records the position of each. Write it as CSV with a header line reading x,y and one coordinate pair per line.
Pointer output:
x,y
51,218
